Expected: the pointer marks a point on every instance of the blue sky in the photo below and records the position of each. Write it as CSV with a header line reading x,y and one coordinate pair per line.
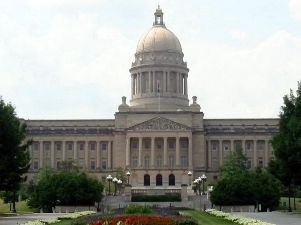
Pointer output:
x,y
63,59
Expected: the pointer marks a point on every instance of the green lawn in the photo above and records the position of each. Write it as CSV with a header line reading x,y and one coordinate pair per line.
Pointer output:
x,y
20,207
204,218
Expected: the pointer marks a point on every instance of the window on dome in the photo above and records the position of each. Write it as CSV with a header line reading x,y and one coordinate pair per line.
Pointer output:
x,y
158,19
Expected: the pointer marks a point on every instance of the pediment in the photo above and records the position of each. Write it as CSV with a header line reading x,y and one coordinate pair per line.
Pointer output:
x,y
159,123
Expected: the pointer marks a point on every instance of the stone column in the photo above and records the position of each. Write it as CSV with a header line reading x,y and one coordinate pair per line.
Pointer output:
x,y
266,152
109,155
154,82
165,162
152,152
127,152
243,145
190,151
41,154
181,83
149,82
178,152
209,154
168,81
255,154
232,145
220,152
75,151
177,83
52,155
86,148
64,150
140,152
98,146
185,84
140,83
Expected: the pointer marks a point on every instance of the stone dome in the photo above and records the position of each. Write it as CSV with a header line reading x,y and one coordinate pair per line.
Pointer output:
x,y
159,38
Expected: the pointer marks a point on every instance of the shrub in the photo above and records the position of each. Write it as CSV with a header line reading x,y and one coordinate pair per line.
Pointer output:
x,y
132,209
176,197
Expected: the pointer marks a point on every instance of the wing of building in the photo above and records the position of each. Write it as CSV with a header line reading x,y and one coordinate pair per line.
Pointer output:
x,y
158,136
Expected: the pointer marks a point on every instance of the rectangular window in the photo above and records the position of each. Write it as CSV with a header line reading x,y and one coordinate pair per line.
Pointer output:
x,y
93,166
171,161
184,161
81,146
58,164
35,165
184,144
103,146
249,164
248,146
171,145
58,146
35,146
92,146
104,164
134,144
226,148
159,146
47,146
260,162
135,162
147,144
69,146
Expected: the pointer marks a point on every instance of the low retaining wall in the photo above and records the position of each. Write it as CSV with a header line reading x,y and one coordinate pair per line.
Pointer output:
x,y
236,208
70,209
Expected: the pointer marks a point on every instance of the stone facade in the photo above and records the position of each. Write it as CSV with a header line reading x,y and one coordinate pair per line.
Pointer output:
x,y
159,137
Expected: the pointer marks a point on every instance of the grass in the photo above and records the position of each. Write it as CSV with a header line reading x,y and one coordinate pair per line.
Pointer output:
x,y
284,200
204,218
20,207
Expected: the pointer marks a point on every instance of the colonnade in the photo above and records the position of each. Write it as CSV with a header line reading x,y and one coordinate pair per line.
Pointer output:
x,y
254,150
153,149
92,157
156,81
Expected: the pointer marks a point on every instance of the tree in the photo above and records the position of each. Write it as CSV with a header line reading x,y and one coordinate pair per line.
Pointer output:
x,y
239,186
287,143
65,188
14,160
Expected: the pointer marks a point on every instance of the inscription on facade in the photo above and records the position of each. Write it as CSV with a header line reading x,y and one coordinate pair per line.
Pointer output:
x,y
159,123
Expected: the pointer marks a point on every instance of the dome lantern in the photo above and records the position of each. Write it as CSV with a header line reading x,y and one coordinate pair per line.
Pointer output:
x,y
158,16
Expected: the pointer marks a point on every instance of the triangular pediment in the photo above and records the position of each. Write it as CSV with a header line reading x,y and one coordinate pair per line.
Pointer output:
x,y
159,123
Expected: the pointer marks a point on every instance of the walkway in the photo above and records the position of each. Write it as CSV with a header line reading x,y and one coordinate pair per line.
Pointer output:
x,y
278,218
21,219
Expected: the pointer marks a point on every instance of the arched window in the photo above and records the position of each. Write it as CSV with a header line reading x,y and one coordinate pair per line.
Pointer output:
x,y
159,180
146,180
171,180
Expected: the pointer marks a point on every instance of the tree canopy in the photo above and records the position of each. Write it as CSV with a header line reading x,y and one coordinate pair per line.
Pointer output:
x,y
239,186
14,160
65,188
287,143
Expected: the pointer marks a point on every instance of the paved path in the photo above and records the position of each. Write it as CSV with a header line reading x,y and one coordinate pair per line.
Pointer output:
x,y
21,219
278,218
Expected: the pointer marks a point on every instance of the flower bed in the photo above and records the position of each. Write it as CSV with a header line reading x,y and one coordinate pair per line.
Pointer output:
x,y
135,220
237,219
52,221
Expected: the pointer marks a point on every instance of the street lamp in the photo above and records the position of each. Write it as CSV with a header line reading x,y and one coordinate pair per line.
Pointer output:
x,y
119,182
109,179
115,180
189,175
128,173
197,183
203,179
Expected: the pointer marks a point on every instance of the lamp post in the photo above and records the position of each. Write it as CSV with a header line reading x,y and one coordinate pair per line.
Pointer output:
x,y
109,179
128,174
197,183
203,179
189,175
119,182
115,180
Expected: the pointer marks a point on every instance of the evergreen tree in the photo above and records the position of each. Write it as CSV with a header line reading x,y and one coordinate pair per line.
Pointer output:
x,y
287,143
14,160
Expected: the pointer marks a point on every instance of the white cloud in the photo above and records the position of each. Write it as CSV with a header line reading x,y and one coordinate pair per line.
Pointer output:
x,y
243,82
295,8
60,3
238,35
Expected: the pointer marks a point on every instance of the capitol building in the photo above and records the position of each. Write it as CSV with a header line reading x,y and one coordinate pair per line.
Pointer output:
x,y
159,134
